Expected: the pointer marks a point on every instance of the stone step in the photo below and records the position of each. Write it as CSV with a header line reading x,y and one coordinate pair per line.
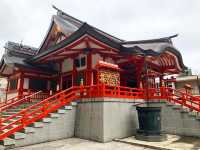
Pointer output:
x,y
7,142
13,110
192,114
5,124
27,130
9,113
37,125
46,120
73,103
6,116
179,107
24,106
68,107
169,104
184,110
61,111
54,115
17,135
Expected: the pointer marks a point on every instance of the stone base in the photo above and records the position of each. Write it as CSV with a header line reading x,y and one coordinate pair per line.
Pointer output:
x,y
151,138
105,119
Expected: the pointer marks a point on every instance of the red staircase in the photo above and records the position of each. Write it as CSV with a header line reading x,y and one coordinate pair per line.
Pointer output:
x,y
32,113
40,109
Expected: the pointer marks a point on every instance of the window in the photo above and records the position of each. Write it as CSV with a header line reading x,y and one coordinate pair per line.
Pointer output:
x,y
13,84
80,62
37,84
77,63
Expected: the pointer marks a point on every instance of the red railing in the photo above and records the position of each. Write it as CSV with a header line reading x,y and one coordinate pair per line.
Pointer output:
x,y
9,100
39,96
185,99
16,101
37,111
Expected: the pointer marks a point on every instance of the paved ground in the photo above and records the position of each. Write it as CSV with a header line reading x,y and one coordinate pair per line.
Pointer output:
x,y
80,144
173,142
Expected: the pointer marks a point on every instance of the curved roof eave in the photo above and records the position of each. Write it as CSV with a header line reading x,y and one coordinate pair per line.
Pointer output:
x,y
158,52
173,50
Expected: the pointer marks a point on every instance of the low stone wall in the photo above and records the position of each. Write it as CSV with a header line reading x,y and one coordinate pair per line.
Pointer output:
x,y
104,119
177,121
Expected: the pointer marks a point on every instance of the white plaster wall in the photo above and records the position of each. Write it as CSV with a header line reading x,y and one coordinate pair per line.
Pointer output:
x,y
11,95
121,60
95,59
26,83
109,60
67,65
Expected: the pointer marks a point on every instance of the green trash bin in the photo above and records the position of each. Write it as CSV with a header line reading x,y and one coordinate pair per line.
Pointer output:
x,y
149,124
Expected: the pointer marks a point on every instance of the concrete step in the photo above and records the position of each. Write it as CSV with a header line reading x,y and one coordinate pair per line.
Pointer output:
x,y
5,124
73,103
13,110
7,142
184,110
169,104
178,107
27,130
6,116
37,125
68,107
24,106
9,113
54,115
17,135
192,114
46,120
61,111
11,120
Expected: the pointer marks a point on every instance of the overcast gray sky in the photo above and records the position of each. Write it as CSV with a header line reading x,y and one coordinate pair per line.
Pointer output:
x,y
28,21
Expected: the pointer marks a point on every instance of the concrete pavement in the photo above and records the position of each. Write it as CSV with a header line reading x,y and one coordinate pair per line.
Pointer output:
x,y
80,144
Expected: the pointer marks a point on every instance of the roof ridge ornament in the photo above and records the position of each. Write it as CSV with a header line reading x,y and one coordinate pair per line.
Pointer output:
x,y
59,11
163,39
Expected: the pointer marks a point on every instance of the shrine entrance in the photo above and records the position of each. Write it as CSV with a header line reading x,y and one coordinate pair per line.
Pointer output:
x,y
128,76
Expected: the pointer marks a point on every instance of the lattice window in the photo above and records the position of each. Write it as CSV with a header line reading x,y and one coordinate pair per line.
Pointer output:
x,y
13,84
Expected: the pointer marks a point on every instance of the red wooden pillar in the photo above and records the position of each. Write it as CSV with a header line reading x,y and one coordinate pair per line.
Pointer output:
x,y
7,86
60,76
89,69
21,85
74,74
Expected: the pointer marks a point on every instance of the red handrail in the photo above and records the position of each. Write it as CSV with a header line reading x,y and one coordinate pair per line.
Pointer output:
x,y
184,99
9,100
17,101
36,111
41,109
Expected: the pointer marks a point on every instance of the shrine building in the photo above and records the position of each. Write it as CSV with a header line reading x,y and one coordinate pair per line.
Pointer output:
x,y
71,51
83,82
